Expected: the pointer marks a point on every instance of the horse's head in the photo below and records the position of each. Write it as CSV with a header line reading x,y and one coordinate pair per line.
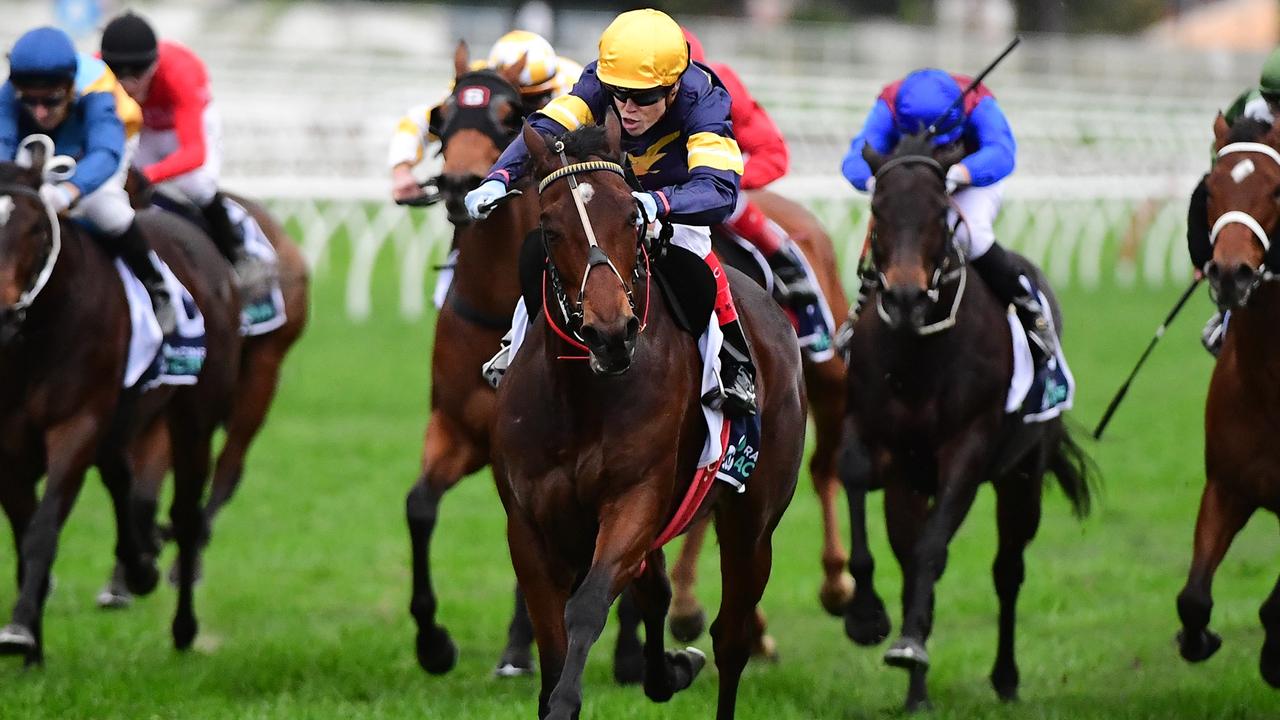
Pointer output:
x,y
1244,208
475,124
910,240
589,226
28,242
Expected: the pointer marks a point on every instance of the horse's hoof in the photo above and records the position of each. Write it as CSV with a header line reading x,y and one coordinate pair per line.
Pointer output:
x,y
16,639
908,654
628,664
687,663
1199,647
765,648
918,706
114,597
184,632
1005,684
836,594
689,627
866,626
515,662
436,652
1270,663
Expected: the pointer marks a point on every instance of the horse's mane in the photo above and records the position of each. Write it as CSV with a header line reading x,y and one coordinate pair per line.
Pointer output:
x,y
586,141
920,143
1248,129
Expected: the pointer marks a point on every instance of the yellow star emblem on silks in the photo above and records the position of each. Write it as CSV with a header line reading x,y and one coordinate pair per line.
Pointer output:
x,y
641,163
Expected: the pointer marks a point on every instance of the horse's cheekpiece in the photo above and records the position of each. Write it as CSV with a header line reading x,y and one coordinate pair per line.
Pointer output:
x,y
742,453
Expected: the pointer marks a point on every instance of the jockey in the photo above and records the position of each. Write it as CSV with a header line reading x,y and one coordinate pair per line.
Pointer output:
x,y
765,154
545,76
1260,103
975,183
678,138
180,145
54,91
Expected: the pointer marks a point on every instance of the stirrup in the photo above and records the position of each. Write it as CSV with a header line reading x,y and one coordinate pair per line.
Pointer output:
x,y
1214,333
738,396
253,275
162,306
792,286
493,370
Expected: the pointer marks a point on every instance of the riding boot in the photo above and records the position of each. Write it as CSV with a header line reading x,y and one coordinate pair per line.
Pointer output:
x,y
1215,332
1012,286
737,392
1198,246
133,248
496,367
253,274
792,282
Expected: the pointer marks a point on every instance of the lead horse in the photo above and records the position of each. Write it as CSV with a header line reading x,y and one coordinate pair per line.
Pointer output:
x,y
929,371
592,458
1242,461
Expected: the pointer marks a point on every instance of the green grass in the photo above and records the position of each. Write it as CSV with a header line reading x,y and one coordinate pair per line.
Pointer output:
x,y
304,606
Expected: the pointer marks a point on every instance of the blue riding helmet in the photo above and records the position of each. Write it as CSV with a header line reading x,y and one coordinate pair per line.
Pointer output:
x,y
924,96
43,55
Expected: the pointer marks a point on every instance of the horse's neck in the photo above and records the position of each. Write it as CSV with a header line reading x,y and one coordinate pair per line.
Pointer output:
x,y
1256,328
70,295
489,254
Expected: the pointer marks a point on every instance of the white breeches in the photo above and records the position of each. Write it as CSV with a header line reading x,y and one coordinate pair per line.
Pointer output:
x,y
107,209
979,206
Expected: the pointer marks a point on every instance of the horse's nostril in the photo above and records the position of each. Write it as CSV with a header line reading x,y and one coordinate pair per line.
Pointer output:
x,y
1244,273
592,336
633,327
1213,271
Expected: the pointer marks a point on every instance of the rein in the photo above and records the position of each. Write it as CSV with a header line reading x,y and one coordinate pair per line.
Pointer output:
x,y
573,311
1240,217
55,233
942,275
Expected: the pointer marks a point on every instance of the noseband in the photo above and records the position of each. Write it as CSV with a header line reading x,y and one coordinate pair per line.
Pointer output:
x,y
942,274
19,309
1240,217
572,311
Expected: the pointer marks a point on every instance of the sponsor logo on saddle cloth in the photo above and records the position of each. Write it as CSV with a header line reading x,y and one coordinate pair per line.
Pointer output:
x,y
1037,394
265,312
154,360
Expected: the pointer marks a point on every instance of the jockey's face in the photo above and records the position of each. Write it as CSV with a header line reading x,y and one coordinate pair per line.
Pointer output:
x,y
637,118
136,79
48,106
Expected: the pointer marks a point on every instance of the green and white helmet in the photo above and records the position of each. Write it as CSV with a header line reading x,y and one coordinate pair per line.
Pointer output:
x,y
1269,83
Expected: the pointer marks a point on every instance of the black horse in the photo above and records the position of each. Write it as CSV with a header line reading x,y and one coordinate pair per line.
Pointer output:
x,y
930,364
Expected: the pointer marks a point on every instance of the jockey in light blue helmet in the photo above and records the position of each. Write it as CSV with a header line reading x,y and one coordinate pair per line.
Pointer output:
x,y
932,97
53,91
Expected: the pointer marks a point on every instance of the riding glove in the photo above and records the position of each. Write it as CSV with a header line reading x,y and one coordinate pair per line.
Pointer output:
x,y
650,207
475,200
957,178
57,197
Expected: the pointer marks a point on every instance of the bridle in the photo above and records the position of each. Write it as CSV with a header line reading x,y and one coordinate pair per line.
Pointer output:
x,y
944,272
1240,217
474,106
19,309
571,311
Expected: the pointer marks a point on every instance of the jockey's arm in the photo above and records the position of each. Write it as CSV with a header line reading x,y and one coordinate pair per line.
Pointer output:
x,y
715,167
407,148
188,122
579,107
763,148
993,161
8,124
880,133
104,142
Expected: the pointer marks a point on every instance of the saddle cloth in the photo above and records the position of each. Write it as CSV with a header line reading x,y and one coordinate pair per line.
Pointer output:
x,y
814,325
260,315
1037,394
154,360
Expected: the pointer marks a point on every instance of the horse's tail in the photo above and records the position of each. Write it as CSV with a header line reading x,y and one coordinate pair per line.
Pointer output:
x,y
1076,472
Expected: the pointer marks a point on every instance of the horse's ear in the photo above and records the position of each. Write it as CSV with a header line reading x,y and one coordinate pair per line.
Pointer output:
x,y
511,73
539,153
1220,132
613,133
873,157
461,59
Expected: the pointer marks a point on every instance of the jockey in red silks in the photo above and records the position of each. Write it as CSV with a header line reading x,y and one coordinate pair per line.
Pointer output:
x,y
766,158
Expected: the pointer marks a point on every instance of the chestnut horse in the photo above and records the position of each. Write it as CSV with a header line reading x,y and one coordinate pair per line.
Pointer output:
x,y
259,377
928,376
593,458
64,336
1242,462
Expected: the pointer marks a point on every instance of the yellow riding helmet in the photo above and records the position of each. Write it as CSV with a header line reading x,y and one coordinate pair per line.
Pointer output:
x,y
539,59
642,49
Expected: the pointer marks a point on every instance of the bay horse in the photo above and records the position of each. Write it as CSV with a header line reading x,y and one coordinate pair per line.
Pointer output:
x,y
825,382
593,458
64,336
928,376
258,379
1242,463
474,128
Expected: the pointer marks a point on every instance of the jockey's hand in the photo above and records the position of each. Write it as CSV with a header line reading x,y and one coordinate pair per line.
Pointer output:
x,y
404,186
958,177
60,196
649,205
1198,274
871,185
488,191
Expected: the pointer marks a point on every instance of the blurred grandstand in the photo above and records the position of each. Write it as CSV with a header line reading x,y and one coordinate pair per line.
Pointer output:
x,y
1113,131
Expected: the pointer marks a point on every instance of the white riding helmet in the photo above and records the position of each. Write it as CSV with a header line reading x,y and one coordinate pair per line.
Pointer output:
x,y
540,66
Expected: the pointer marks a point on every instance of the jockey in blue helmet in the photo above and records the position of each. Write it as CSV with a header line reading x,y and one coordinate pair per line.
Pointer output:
x,y
53,91
933,97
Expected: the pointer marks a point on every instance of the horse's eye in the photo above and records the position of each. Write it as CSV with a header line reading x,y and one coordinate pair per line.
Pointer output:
x,y
634,217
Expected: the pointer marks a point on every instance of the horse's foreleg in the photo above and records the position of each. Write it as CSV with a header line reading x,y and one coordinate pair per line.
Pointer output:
x,y
665,673
447,455
18,498
1222,514
688,619
190,432
1269,663
135,570
905,512
259,379
545,589
746,559
866,621
69,449
1017,519
826,403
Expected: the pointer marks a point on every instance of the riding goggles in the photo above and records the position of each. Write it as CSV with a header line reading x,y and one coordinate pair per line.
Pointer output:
x,y
54,100
642,97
